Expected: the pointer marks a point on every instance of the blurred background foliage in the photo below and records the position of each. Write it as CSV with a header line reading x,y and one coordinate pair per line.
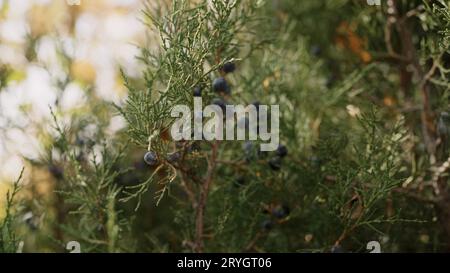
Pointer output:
x,y
363,92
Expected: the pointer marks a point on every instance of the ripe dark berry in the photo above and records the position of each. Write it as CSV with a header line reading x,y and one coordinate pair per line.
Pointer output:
x,y
56,171
281,212
240,181
79,142
316,50
267,225
282,151
194,147
151,158
173,157
80,157
197,92
221,103
275,163
220,85
229,67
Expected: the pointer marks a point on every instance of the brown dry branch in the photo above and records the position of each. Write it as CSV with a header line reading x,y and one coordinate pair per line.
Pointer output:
x,y
200,213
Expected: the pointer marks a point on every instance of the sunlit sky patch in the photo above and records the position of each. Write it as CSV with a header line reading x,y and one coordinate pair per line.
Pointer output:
x,y
104,38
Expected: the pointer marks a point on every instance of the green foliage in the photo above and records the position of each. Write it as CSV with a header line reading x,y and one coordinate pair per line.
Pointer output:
x,y
9,241
195,42
90,191
363,94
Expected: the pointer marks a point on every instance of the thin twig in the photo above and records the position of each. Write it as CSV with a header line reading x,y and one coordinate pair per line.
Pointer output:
x,y
212,162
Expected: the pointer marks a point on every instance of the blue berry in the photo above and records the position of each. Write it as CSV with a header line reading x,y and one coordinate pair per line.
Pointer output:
x,y
220,85
281,212
151,158
282,151
173,157
316,50
267,225
197,92
56,171
195,147
265,211
229,67
240,181
275,163
79,142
